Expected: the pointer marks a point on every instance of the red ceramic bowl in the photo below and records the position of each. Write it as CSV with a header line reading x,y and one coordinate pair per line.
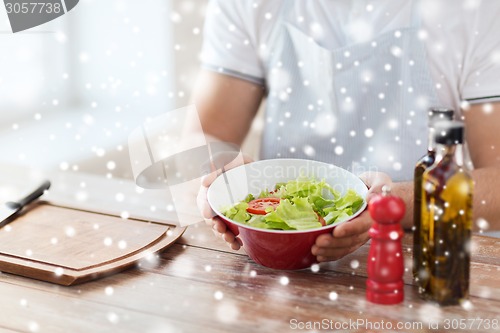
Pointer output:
x,y
278,249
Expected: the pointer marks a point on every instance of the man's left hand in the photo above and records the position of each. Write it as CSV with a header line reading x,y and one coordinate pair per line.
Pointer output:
x,y
351,235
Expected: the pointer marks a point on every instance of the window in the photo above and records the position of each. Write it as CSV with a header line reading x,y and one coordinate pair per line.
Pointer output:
x,y
74,87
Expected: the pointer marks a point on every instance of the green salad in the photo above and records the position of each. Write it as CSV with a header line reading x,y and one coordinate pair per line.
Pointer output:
x,y
296,205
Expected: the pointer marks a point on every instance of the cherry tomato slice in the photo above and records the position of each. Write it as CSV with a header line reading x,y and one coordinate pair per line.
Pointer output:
x,y
258,206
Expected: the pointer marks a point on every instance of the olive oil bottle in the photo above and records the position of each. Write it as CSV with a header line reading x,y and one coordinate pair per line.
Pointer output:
x,y
447,216
435,114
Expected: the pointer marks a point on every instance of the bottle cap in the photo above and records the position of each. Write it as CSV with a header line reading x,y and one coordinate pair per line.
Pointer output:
x,y
449,132
440,114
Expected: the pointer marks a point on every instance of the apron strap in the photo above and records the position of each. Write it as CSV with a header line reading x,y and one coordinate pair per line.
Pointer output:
x,y
285,7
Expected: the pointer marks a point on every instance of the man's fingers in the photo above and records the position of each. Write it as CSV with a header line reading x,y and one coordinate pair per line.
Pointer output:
x,y
344,240
228,237
340,243
234,246
359,225
324,240
218,225
220,230
348,230
233,241
319,248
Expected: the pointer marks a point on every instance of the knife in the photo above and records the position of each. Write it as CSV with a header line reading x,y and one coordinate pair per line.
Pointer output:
x,y
10,209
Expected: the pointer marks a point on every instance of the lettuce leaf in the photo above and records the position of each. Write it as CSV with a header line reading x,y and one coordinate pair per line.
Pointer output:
x,y
238,212
298,216
350,200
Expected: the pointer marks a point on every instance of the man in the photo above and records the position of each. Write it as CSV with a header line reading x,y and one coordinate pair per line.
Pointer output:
x,y
349,83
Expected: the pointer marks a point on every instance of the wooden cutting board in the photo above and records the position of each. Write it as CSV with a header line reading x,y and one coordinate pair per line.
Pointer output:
x,y
68,246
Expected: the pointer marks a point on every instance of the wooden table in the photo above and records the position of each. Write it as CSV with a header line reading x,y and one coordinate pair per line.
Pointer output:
x,y
199,285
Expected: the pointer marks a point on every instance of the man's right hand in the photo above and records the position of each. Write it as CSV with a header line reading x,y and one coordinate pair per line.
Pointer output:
x,y
218,226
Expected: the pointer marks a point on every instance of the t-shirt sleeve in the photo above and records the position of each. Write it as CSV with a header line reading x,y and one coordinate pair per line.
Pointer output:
x,y
229,44
482,81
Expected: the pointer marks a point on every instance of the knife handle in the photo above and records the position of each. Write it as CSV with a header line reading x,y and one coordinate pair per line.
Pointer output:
x,y
30,197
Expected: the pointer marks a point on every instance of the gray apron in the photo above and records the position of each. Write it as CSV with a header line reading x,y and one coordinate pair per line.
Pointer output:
x,y
362,107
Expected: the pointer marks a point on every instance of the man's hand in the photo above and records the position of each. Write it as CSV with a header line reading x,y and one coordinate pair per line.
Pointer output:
x,y
349,236
218,226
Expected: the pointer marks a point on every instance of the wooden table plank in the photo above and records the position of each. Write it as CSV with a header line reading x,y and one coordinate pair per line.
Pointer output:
x,y
31,309
156,294
249,299
200,285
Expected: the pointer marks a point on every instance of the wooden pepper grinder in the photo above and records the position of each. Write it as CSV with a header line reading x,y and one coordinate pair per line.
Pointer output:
x,y
385,259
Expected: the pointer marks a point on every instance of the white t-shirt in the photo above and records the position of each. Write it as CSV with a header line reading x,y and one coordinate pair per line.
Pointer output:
x,y
461,37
